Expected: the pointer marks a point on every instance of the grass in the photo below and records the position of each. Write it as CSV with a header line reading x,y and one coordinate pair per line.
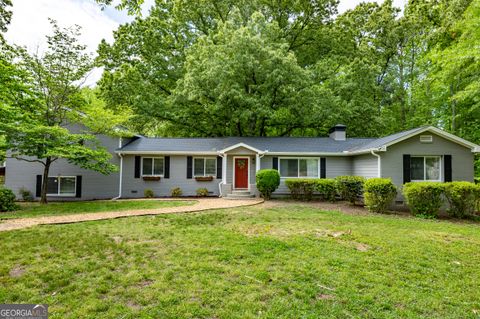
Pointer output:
x,y
286,261
67,208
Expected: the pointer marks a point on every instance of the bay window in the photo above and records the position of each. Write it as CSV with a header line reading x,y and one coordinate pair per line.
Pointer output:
x,y
299,167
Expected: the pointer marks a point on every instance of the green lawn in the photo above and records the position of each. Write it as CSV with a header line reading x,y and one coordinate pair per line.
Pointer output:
x,y
67,208
290,261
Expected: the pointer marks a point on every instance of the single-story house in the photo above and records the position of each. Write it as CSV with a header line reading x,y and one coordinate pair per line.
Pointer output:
x,y
226,166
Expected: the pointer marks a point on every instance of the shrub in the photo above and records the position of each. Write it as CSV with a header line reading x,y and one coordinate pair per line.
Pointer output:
x,y
176,192
148,193
424,198
350,187
26,195
462,198
379,194
7,200
202,192
301,189
268,181
327,187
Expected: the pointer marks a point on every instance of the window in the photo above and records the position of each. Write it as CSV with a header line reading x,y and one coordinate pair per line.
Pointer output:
x,y
204,166
61,186
425,168
299,167
152,166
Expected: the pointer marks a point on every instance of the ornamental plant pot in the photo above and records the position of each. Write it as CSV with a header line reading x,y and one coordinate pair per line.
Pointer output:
x,y
151,178
204,178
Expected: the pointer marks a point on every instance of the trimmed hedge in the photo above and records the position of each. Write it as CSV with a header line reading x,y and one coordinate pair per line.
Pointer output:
x,y
424,198
463,198
7,200
148,193
202,192
327,188
379,194
268,181
176,192
301,188
350,188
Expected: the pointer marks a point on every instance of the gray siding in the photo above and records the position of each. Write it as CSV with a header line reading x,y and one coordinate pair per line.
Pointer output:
x,y
365,165
94,185
462,158
134,187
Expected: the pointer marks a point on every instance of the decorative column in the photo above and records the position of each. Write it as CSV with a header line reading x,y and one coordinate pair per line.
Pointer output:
x,y
224,169
257,162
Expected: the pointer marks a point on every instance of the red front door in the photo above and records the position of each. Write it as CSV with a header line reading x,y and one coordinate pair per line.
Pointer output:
x,y
241,172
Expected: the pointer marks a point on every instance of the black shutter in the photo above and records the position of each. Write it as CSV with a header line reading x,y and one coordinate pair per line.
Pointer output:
x,y
137,166
189,167
323,167
275,163
447,168
406,168
38,189
219,167
166,173
78,191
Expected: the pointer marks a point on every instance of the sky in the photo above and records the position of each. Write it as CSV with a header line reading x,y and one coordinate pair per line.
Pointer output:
x,y
30,22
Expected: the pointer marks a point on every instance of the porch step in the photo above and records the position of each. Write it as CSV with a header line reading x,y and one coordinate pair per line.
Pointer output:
x,y
240,195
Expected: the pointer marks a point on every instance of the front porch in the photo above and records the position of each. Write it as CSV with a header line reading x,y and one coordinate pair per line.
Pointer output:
x,y
240,163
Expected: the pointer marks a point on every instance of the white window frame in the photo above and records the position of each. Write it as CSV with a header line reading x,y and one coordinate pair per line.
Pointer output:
x,y
153,166
57,194
298,166
204,167
425,168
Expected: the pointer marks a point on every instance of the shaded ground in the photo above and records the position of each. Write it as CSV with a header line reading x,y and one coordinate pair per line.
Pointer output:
x,y
273,260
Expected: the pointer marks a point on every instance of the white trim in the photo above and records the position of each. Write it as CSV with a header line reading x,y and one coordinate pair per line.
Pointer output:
x,y
153,166
298,167
224,168
166,153
251,148
58,188
440,168
120,180
204,167
440,132
248,168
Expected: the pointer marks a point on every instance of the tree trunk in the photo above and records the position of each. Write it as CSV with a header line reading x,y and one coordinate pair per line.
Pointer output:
x,y
46,169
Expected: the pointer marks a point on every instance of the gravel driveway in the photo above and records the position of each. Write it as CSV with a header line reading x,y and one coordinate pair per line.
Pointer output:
x,y
202,204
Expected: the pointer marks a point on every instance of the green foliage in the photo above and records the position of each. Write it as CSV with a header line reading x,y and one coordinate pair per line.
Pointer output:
x,y
268,181
424,197
7,200
49,89
463,198
26,195
301,188
327,188
148,193
379,194
350,188
202,192
176,192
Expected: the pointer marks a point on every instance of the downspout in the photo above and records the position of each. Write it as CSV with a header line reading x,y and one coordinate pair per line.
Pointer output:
x,y
223,178
379,165
120,179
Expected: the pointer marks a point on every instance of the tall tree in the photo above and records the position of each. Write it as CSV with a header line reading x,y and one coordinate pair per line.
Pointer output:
x,y
35,130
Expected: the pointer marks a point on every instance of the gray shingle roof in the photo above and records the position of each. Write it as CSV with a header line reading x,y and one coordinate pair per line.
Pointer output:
x,y
270,144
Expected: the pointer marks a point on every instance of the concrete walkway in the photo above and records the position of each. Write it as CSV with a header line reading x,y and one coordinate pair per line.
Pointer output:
x,y
201,205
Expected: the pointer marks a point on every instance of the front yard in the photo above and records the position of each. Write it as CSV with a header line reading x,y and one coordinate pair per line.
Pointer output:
x,y
68,208
274,260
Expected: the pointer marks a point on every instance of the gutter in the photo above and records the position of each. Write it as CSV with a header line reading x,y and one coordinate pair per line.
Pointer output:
x,y
120,179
